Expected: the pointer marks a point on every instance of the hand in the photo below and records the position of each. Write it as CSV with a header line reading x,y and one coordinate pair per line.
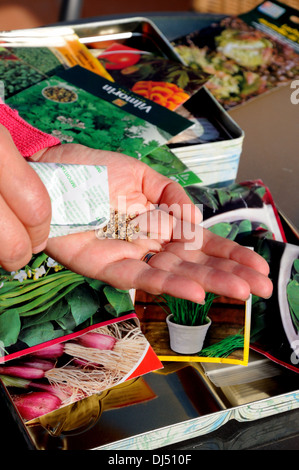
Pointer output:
x,y
216,265
25,207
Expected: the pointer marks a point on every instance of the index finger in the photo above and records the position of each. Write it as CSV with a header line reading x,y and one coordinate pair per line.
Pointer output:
x,y
217,246
24,192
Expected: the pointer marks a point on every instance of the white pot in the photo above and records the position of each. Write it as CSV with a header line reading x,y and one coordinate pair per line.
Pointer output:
x,y
186,339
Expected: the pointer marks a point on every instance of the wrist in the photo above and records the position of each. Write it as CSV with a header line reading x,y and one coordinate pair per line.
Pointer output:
x,y
28,139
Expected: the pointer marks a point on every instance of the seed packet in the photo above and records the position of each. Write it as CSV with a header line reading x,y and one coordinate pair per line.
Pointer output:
x,y
161,80
164,161
16,75
246,55
79,196
44,301
79,106
247,214
275,321
80,366
51,320
239,211
45,49
226,340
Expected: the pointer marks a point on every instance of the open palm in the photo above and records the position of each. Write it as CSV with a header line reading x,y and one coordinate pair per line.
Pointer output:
x,y
214,264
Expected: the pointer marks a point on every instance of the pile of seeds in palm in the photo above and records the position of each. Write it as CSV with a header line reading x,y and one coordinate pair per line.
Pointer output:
x,y
119,227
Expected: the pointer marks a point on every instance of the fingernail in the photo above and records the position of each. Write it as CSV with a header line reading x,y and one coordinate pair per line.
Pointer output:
x,y
269,297
39,248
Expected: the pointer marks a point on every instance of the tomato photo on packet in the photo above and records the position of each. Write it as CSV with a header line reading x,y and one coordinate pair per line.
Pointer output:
x,y
119,56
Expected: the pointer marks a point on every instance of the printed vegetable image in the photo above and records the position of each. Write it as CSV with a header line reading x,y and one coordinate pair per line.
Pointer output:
x,y
119,56
17,75
274,321
62,374
44,301
161,80
164,161
42,58
189,313
249,49
34,404
226,337
293,295
229,84
240,228
89,120
224,347
187,323
243,62
59,94
166,94
232,197
6,54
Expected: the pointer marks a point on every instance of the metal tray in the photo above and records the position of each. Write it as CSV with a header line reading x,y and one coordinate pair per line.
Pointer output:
x,y
137,32
161,409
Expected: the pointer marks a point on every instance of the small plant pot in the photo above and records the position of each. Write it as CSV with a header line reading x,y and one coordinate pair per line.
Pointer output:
x,y
186,339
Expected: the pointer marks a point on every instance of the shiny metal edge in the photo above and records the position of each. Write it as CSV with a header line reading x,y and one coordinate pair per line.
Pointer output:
x,y
203,425
126,25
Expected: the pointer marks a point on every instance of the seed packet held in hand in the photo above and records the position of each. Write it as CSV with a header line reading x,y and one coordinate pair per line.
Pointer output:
x,y
79,195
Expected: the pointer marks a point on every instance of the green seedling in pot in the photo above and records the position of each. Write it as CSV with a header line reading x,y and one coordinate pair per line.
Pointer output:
x,y
188,313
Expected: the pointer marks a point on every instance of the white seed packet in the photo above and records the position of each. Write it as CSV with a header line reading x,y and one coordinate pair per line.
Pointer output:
x,y
79,195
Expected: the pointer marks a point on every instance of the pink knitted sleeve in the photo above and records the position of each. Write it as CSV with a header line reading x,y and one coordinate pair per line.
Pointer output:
x,y
27,138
